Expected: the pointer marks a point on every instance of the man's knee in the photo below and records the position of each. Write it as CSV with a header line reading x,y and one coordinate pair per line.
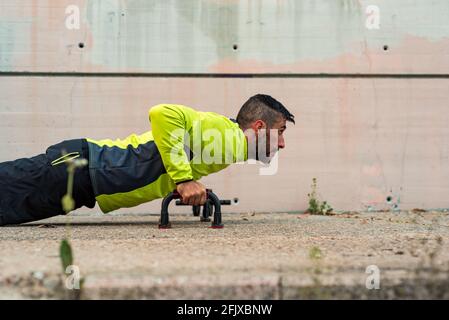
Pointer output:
x,y
20,218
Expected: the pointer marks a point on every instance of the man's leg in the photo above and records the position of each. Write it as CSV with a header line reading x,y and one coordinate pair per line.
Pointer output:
x,y
31,188
19,188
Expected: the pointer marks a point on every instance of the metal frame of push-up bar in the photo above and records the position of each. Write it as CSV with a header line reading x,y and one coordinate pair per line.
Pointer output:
x,y
213,204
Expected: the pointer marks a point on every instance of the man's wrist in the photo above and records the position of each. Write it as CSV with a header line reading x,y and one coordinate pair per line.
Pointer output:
x,y
178,183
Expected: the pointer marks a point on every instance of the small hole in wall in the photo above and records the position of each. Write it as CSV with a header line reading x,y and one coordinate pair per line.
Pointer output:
x,y
385,48
81,45
389,198
235,201
235,47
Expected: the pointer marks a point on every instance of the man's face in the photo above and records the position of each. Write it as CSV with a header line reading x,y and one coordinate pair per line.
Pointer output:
x,y
278,129
266,141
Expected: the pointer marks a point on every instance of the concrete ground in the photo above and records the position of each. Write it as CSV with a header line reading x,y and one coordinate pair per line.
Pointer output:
x,y
255,256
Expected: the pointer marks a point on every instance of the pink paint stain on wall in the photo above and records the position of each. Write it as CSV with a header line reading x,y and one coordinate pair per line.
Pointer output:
x,y
412,55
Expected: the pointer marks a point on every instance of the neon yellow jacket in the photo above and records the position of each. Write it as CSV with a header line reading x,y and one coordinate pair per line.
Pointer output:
x,y
184,144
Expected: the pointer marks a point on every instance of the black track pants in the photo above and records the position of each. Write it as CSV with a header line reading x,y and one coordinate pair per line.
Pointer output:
x,y
31,188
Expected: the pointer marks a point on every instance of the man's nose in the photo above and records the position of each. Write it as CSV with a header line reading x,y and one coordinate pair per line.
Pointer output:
x,y
281,142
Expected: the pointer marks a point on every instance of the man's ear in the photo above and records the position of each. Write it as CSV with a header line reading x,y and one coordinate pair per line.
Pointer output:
x,y
257,125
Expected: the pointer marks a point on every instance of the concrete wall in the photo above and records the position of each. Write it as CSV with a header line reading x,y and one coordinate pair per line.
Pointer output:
x,y
371,104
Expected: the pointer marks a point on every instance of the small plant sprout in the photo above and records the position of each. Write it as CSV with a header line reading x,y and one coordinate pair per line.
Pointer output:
x,y
68,204
315,253
66,255
73,162
315,205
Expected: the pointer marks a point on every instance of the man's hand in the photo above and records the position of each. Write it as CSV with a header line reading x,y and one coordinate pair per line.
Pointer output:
x,y
192,193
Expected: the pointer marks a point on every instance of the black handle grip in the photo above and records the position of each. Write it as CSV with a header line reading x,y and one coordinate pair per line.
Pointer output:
x,y
165,223
222,202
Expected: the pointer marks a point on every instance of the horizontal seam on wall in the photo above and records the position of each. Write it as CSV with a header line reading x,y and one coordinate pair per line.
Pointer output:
x,y
221,75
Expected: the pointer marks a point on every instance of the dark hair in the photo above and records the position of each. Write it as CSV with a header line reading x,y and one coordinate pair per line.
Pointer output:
x,y
263,107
